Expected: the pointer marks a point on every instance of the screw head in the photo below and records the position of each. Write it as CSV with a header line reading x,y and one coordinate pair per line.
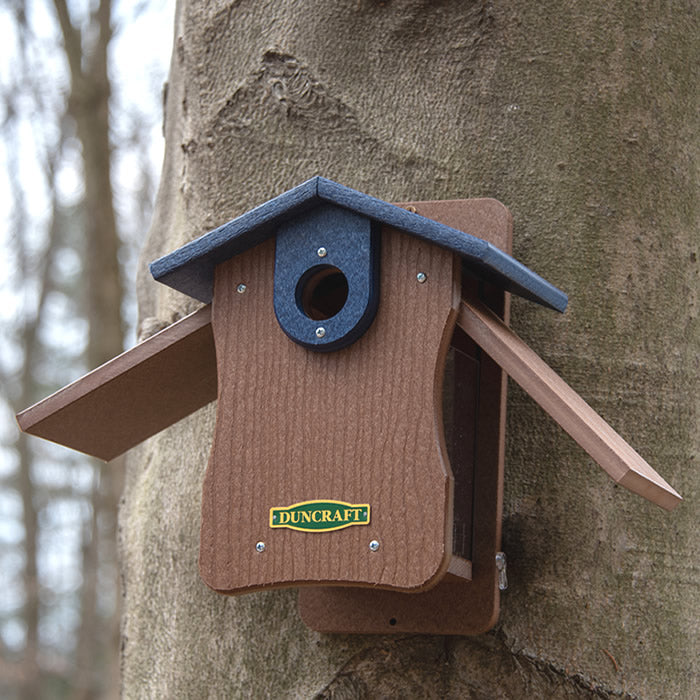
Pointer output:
x,y
260,547
320,332
321,252
241,288
421,277
373,545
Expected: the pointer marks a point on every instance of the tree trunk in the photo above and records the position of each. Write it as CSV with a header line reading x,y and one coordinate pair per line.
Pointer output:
x,y
583,120
88,105
31,670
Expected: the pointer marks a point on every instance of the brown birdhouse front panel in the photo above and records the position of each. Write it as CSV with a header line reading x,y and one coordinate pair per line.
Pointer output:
x,y
360,426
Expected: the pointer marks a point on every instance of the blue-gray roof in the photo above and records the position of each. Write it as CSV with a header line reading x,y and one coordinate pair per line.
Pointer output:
x,y
190,269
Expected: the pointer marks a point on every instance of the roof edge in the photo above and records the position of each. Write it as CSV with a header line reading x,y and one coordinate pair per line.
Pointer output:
x,y
190,269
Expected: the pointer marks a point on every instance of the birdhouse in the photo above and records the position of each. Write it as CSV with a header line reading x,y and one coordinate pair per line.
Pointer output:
x,y
358,352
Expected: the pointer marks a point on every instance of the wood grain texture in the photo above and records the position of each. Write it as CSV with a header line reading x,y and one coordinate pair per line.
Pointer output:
x,y
361,425
133,396
572,413
455,605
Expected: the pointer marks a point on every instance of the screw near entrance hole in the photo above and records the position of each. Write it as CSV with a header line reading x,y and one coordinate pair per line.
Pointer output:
x,y
322,292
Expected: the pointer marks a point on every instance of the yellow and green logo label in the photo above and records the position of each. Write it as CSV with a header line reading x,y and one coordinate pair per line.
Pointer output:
x,y
319,516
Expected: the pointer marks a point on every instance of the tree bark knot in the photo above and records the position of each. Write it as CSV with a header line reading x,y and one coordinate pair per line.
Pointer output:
x,y
285,87
554,673
410,666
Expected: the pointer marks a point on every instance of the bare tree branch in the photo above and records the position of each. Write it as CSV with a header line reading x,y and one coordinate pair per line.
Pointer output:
x,y
72,39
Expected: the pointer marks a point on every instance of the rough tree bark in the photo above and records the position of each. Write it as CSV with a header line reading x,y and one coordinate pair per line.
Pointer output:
x,y
583,119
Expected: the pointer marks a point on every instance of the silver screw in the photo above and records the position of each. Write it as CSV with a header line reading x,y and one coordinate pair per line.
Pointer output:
x,y
320,332
260,547
373,545
241,288
321,252
421,277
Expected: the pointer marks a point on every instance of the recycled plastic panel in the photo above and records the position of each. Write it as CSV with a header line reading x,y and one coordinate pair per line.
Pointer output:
x,y
360,425
133,396
615,456
190,269
453,606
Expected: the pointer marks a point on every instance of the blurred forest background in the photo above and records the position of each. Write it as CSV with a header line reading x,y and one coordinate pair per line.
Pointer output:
x,y
81,89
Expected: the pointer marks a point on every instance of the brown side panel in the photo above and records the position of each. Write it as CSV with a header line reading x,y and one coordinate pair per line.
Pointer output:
x,y
133,396
453,606
360,425
601,442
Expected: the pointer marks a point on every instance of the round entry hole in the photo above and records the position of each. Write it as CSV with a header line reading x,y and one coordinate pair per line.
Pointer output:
x,y
322,292
392,621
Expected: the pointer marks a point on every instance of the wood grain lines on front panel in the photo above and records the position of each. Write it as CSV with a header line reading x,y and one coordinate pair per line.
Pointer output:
x,y
359,425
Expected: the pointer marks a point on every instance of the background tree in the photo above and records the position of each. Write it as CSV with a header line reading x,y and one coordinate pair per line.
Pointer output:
x,y
583,119
64,141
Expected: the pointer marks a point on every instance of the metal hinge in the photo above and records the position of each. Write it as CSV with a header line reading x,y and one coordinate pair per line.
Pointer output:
x,y
501,567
